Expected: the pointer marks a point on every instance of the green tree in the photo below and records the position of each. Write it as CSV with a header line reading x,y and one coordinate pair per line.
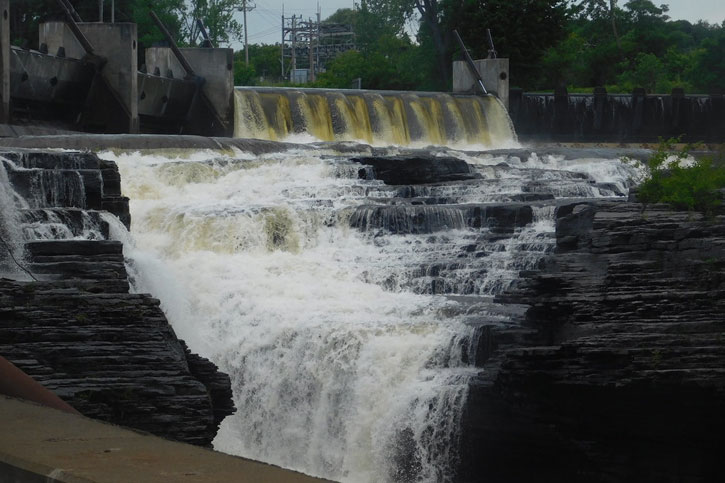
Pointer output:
x,y
266,61
244,75
389,64
522,31
708,71
647,72
218,18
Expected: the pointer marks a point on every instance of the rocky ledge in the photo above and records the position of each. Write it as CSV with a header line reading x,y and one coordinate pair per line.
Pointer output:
x,y
76,329
620,372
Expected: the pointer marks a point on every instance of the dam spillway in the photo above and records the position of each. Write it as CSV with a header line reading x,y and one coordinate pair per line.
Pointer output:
x,y
372,117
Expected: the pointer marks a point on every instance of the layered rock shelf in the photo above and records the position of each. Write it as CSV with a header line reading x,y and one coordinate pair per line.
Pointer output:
x,y
77,330
618,371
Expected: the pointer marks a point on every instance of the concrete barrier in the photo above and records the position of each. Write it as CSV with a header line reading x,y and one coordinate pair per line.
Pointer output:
x,y
40,444
623,118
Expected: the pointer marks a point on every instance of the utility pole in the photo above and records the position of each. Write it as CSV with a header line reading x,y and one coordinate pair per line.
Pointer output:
x,y
281,55
311,26
317,50
294,45
100,11
246,7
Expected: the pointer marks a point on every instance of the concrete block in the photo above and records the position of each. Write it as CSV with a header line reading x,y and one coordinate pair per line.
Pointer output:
x,y
495,75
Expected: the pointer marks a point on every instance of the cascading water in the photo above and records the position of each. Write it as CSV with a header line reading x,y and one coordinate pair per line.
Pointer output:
x,y
41,204
349,336
346,311
373,117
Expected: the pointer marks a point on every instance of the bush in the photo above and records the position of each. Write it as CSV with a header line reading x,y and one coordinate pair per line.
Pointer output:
x,y
685,184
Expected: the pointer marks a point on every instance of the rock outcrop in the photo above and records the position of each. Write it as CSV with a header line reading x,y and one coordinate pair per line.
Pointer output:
x,y
617,371
411,170
77,330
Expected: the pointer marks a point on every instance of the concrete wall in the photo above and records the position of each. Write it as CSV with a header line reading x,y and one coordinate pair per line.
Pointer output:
x,y
216,66
631,118
56,35
117,42
40,444
495,75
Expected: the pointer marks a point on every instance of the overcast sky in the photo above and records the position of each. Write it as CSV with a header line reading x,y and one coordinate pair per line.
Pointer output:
x,y
265,20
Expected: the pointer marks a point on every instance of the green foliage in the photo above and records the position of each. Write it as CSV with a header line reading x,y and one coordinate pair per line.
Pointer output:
x,y
244,75
389,64
684,185
386,58
148,33
635,45
219,20
522,31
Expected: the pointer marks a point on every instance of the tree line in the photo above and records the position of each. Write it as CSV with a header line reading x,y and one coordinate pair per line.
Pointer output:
x,y
408,44
550,43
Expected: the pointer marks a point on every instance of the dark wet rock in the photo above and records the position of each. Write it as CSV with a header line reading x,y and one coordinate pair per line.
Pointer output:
x,y
56,179
79,332
621,377
419,218
137,142
419,169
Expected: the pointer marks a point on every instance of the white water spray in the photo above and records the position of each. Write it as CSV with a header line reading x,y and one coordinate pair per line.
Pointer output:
x,y
347,361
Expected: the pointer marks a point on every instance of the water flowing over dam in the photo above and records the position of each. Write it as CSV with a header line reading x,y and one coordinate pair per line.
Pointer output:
x,y
345,310
373,117
346,306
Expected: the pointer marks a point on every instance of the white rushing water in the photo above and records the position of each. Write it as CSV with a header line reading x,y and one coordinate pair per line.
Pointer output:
x,y
346,359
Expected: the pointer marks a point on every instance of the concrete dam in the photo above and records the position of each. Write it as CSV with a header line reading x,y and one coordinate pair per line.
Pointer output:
x,y
372,117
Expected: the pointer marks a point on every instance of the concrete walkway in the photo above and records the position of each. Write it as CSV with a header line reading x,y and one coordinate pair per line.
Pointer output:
x,y
39,444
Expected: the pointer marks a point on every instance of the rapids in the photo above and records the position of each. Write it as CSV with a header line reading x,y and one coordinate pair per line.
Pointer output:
x,y
349,345
347,312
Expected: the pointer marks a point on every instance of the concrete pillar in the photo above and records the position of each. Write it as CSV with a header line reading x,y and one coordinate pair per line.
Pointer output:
x,y
600,106
561,112
117,42
216,66
639,98
678,110
4,61
495,75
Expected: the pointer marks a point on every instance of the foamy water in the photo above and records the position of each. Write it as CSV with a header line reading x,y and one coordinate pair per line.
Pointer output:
x,y
344,362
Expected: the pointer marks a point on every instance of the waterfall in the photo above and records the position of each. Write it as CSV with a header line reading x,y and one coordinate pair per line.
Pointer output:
x,y
44,199
11,247
379,117
344,310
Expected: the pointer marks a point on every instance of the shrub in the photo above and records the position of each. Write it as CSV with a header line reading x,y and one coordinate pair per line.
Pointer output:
x,y
675,179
